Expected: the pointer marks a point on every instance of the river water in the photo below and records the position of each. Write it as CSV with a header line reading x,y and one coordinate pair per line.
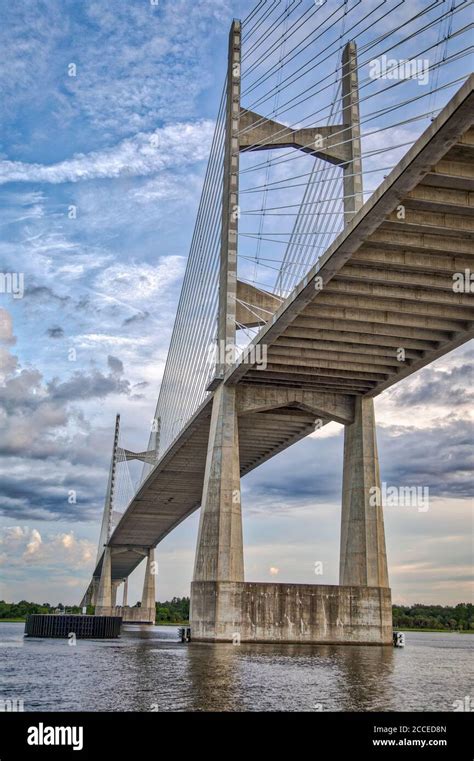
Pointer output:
x,y
148,669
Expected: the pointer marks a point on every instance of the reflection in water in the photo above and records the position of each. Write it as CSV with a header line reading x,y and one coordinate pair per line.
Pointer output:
x,y
366,672
214,677
147,669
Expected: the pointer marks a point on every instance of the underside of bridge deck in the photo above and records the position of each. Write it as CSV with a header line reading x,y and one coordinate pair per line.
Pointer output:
x,y
392,293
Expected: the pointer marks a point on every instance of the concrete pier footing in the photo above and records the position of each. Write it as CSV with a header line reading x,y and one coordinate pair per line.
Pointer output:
x,y
305,613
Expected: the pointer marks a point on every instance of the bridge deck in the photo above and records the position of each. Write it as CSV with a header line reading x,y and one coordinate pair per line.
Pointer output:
x,y
387,285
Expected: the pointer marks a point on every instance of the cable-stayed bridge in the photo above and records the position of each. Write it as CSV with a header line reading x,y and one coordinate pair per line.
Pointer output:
x,y
331,258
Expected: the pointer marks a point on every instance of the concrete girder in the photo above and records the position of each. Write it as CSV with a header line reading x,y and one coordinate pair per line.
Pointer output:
x,y
366,314
414,242
450,200
448,181
359,356
404,259
452,168
457,233
331,406
323,372
322,348
327,385
400,295
317,363
258,306
260,133
457,224
348,300
372,328
346,336
395,277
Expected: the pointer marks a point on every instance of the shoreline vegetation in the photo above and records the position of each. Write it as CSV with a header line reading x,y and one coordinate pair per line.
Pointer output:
x,y
420,618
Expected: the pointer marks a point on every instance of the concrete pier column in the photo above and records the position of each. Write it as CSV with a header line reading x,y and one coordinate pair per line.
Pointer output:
x,y
219,554
363,560
104,594
148,606
125,593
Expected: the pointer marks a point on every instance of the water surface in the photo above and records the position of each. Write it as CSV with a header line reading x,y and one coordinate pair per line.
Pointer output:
x,y
149,669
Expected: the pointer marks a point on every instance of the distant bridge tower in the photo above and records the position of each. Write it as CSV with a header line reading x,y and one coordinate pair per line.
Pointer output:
x,y
102,591
90,597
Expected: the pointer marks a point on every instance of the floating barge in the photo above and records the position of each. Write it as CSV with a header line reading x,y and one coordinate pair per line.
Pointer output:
x,y
84,627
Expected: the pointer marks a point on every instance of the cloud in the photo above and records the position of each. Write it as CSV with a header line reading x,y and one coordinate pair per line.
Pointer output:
x,y
55,332
439,457
34,543
45,294
20,545
138,282
433,386
175,145
136,318
115,365
81,386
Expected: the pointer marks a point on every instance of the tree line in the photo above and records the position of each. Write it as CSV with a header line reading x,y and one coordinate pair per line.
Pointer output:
x,y
175,610
458,617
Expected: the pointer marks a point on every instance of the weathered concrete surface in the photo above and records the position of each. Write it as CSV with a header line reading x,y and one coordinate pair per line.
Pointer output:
x,y
259,133
219,552
129,615
338,407
149,583
104,594
259,612
136,615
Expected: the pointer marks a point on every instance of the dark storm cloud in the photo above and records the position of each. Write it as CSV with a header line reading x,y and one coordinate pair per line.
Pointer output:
x,y
44,434
48,499
452,387
55,332
87,386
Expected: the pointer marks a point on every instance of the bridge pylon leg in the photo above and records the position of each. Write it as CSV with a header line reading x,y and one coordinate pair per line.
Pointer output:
x,y
219,553
104,594
94,591
363,560
148,606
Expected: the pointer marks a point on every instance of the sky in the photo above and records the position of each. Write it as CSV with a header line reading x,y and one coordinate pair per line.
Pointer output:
x,y
107,113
